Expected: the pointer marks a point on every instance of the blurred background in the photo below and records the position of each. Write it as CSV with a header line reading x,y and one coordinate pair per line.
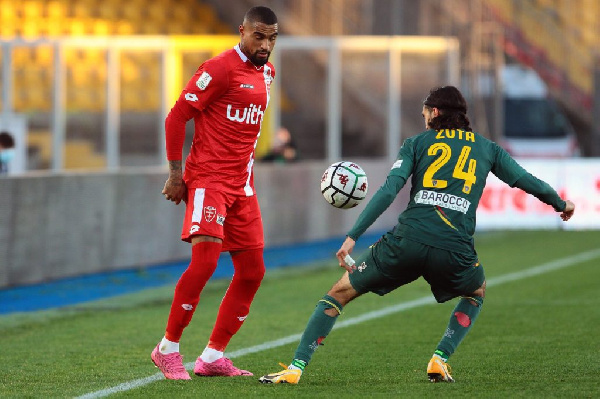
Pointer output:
x,y
86,85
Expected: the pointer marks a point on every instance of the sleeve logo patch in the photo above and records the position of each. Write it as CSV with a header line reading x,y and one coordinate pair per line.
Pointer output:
x,y
203,81
397,164
191,97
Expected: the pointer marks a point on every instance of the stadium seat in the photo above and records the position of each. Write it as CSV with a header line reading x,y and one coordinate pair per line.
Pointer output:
x,y
86,73
81,154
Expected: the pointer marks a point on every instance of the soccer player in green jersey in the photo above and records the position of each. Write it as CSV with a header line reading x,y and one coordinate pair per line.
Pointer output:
x,y
433,238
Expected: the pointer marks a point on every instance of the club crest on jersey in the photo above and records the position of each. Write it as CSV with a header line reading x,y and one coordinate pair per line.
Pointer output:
x,y
251,115
203,81
209,213
268,78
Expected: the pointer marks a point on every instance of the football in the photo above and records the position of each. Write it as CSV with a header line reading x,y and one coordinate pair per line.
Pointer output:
x,y
344,185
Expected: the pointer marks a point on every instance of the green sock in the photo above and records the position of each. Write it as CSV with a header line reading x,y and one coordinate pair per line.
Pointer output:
x,y
462,319
318,327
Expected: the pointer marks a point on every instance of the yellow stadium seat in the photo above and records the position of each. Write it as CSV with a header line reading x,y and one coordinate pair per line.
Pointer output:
x,y
44,56
55,27
157,11
86,69
8,10
123,28
22,56
131,12
80,10
55,9
101,27
31,29
77,27
41,141
7,30
81,154
31,10
129,69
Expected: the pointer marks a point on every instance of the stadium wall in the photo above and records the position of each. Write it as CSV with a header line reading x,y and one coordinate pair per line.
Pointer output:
x,y
68,224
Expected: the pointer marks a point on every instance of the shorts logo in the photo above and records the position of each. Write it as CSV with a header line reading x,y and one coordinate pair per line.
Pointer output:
x,y
203,81
220,219
209,213
194,229
362,267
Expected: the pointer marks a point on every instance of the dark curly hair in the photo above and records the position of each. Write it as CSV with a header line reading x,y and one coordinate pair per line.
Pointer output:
x,y
452,106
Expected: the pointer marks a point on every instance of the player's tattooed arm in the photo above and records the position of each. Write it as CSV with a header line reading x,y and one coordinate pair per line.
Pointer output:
x,y
174,189
175,169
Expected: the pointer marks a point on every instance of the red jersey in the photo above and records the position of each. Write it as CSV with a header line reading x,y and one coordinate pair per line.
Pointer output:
x,y
227,97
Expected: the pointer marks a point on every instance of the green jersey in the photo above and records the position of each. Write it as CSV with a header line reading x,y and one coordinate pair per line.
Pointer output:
x,y
449,168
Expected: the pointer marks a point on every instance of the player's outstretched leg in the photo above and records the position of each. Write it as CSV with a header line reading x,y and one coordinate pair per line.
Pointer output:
x,y
318,327
462,319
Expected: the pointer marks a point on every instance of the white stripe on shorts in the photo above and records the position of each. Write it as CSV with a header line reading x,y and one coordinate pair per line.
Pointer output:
x,y
198,205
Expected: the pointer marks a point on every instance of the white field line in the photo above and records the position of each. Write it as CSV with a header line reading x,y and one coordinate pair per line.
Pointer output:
x,y
520,275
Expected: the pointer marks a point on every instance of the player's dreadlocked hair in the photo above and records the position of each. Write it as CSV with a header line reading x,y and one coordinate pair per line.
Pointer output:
x,y
261,14
452,106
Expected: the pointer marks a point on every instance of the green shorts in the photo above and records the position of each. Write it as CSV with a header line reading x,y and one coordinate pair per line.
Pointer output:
x,y
395,261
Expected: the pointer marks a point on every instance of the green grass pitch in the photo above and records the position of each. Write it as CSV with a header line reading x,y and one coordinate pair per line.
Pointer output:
x,y
537,336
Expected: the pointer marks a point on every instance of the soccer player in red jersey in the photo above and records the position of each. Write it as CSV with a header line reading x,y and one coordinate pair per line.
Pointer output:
x,y
227,98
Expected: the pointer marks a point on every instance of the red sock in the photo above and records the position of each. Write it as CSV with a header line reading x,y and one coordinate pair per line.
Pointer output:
x,y
187,291
249,272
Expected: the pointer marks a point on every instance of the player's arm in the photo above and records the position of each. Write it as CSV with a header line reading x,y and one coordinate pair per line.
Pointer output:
x,y
383,198
208,83
513,174
542,191
174,189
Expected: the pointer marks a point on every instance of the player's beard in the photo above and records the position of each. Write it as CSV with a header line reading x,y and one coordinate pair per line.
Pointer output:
x,y
256,60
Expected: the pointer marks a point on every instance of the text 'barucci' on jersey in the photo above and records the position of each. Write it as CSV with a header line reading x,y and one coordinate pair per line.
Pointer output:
x,y
448,201
455,133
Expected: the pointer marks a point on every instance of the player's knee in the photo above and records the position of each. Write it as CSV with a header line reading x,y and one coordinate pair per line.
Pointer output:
x,y
480,292
332,312
343,293
475,300
331,306
249,265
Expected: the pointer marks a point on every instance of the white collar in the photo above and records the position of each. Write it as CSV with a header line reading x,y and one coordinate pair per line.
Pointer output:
x,y
240,53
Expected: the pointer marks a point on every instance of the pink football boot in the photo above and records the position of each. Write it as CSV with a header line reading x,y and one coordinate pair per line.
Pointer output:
x,y
222,368
171,365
